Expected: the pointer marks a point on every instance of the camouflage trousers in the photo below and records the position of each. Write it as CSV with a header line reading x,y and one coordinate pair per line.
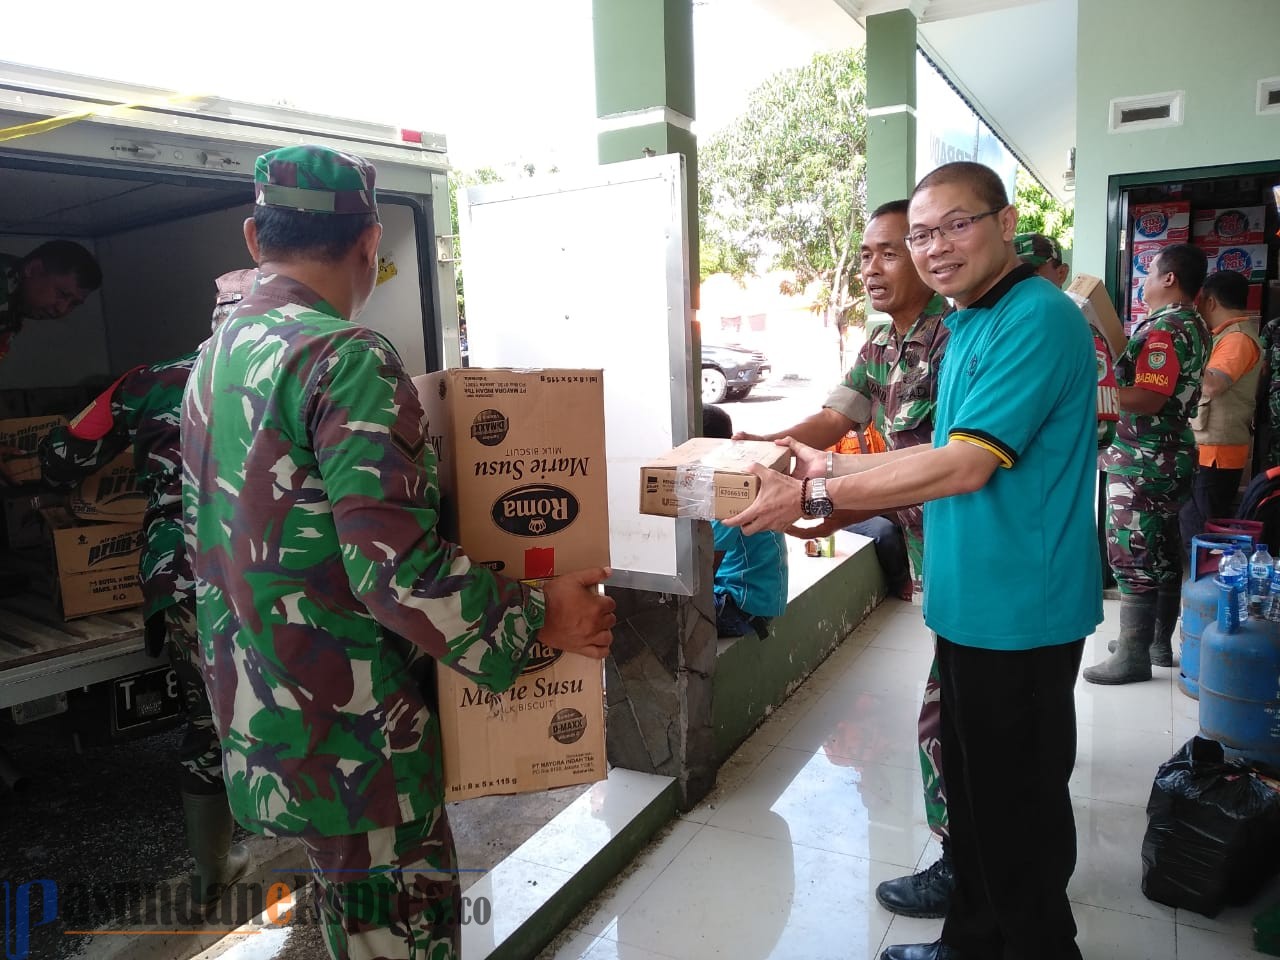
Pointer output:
x,y
911,521
1273,445
930,729
1144,545
389,894
200,753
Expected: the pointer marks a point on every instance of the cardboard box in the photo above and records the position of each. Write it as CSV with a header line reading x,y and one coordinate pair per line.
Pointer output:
x,y
113,494
1253,304
1143,253
546,731
706,478
1092,298
1229,225
524,486
96,563
1247,259
19,440
522,466
1169,221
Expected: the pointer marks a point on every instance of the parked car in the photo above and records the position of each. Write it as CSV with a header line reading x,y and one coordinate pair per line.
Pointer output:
x,y
729,372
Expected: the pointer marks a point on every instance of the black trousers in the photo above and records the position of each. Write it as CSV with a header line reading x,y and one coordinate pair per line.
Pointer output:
x,y
1008,748
1213,495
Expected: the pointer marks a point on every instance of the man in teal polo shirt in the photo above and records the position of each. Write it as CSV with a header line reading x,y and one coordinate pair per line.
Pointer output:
x,y
1013,580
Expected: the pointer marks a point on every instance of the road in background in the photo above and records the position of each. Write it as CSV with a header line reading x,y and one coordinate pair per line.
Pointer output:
x,y
777,404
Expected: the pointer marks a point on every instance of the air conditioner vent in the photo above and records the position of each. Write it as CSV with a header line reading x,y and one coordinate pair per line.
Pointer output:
x,y
1146,112
1269,96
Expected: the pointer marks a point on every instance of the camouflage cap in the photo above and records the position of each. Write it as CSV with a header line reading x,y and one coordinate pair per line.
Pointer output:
x,y
314,179
1036,249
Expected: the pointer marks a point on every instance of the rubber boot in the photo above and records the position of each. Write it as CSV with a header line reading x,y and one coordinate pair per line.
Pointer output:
x,y
218,863
1168,608
925,894
1132,660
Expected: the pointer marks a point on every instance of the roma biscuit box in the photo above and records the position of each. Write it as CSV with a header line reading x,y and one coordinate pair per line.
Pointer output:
x,y
1247,259
96,563
1229,225
19,440
706,478
112,494
1169,221
523,483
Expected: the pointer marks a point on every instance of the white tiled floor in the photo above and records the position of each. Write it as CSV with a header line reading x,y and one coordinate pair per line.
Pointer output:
x,y
823,803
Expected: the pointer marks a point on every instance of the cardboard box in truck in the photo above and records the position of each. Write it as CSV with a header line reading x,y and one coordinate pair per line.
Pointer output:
x,y
523,484
706,478
112,493
96,563
19,440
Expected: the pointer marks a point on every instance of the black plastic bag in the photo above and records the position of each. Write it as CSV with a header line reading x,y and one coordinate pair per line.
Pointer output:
x,y
1213,831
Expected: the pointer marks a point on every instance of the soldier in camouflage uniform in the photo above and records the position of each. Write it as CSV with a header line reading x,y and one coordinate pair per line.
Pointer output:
x,y
142,411
1271,385
892,386
1045,255
1151,462
324,591
46,284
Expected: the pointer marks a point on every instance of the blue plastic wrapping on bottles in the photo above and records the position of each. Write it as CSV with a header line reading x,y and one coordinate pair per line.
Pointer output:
x,y
1228,605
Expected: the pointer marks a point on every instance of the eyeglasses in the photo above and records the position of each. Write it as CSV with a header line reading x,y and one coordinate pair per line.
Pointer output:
x,y
951,230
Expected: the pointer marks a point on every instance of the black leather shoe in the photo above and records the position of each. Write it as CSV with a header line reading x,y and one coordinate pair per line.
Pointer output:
x,y
920,951
925,894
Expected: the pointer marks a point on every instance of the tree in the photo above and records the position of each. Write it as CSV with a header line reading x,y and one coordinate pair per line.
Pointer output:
x,y
784,187
1039,211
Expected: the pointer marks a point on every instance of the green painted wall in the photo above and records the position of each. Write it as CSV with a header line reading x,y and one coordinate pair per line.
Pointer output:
x,y
754,676
1215,50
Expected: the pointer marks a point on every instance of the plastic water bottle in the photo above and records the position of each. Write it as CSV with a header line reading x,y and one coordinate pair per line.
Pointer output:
x,y
1273,601
1233,570
1260,570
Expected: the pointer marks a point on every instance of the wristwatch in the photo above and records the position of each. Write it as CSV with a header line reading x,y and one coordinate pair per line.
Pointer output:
x,y
814,502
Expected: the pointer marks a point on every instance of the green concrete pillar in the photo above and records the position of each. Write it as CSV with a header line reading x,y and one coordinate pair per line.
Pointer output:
x,y
644,89
891,107
658,678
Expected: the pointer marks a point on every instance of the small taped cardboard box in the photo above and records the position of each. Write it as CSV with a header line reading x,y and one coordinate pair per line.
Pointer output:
x,y
19,442
524,492
112,494
707,478
96,564
1090,295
